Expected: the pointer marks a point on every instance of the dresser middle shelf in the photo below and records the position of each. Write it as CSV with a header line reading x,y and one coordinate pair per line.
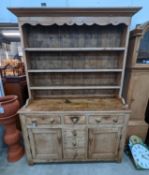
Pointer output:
x,y
73,70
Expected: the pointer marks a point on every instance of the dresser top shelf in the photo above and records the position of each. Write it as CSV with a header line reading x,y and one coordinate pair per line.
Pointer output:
x,y
70,16
74,104
41,11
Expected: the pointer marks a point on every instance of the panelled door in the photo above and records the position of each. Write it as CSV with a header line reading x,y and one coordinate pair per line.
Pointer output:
x,y
45,144
104,143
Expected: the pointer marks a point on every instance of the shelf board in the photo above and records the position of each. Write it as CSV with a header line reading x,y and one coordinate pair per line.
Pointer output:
x,y
72,87
76,49
76,96
72,70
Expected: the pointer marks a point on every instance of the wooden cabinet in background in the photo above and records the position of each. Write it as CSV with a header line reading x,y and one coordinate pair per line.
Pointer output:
x,y
16,86
75,63
136,84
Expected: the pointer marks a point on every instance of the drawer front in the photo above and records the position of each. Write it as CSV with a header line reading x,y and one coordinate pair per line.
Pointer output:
x,y
74,154
105,119
74,138
74,142
74,133
74,119
43,120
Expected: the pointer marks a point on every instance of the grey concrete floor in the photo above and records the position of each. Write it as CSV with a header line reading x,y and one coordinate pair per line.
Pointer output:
x,y
21,167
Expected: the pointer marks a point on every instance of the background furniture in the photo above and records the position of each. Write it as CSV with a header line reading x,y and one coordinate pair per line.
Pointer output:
x,y
75,61
17,86
136,87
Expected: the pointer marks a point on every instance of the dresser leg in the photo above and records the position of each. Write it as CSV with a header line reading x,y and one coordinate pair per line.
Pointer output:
x,y
30,162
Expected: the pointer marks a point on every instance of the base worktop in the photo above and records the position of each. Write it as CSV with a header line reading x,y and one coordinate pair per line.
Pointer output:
x,y
74,104
58,130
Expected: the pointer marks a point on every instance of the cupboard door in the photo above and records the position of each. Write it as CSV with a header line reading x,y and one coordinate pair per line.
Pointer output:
x,y
104,143
45,144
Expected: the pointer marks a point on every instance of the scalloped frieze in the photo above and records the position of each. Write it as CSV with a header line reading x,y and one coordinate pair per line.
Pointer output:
x,y
74,20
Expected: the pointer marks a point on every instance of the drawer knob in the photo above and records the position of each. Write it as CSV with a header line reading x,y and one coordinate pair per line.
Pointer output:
x,y
34,123
74,133
52,120
115,120
74,144
75,155
74,119
98,120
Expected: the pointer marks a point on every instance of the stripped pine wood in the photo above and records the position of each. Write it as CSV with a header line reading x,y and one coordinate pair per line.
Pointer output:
x,y
75,61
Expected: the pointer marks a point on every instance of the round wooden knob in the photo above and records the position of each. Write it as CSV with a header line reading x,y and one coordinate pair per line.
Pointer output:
x,y
74,144
115,120
52,120
75,155
34,123
74,133
74,119
98,120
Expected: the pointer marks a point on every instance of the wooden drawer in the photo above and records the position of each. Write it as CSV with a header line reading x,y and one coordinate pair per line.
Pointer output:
x,y
74,133
74,142
43,120
74,138
74,154
74,119
106,119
